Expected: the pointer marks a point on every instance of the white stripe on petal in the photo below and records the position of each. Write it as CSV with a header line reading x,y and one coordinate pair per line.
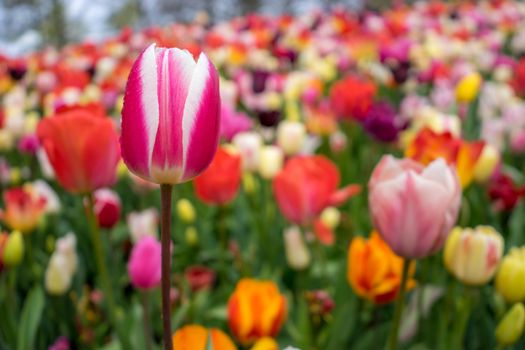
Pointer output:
x,y
150,102
200,77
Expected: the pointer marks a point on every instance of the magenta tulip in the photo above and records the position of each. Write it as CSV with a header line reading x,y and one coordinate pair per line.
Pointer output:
x,y
171,115
414,207
144,266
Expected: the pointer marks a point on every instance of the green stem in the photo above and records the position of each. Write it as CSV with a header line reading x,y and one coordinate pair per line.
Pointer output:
x,y
165,230
100,260
146,319
464,309
400,303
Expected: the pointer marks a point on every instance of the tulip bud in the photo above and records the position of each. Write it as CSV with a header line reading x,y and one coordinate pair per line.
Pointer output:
x,y
249,145
291,136
107,207
486,164
144,266
511,274
265,343
143,223
186,211
271,163
511,327
13,249
192,236
62,266
473,255
338,142
331,217
297,253
248,183
468,87
56,281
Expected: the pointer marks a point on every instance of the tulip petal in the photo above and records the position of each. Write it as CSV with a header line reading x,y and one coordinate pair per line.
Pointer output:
x,y
174,71
140,114
201,119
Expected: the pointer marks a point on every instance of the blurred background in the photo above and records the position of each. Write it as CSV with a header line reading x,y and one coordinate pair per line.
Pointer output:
x,y
31,24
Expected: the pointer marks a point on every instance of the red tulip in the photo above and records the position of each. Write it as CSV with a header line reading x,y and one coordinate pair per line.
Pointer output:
x,y
220,182
351,98
306,186
83,149
107,207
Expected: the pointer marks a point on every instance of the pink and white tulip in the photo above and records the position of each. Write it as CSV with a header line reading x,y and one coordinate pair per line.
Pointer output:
x,y
171,115
414,207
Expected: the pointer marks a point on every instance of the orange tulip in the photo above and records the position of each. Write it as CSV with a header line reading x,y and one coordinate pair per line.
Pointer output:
x,y
195,337
83,149
256,309
23,209
429,145
374,271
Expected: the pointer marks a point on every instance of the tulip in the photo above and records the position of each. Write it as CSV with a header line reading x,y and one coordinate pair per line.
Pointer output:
x,y
256,309
186,211
413,207
511,274
13,250
42,189
195,337
170,118
220,183
199,277
296,250
249,144
144,265
486,164
429,145
143,223
271,161
266,343
233,123
504,193
511,327
374,271
291,136
107,207
62,266
473,255
467,89
306,186
352,97
331,217
24,209
382,122
82,148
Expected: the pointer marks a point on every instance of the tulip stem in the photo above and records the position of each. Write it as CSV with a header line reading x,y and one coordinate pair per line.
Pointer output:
x,y
99,258
146,320
165,232
400,303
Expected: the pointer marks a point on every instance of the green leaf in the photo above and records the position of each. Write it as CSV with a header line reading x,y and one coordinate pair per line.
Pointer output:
x,y
209,342
30,319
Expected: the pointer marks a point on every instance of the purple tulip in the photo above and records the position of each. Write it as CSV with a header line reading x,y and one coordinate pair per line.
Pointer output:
x,y
382,123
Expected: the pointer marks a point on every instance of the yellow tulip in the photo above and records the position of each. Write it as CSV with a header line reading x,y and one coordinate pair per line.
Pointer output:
x,y
511,327
186,211
473,255
468,88
511,274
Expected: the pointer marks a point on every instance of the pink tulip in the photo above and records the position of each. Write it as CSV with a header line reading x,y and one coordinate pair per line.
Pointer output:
x,y
144,266
414,207
170,118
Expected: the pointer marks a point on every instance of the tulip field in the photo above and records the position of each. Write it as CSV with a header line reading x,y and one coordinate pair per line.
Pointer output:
x,y
328,181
